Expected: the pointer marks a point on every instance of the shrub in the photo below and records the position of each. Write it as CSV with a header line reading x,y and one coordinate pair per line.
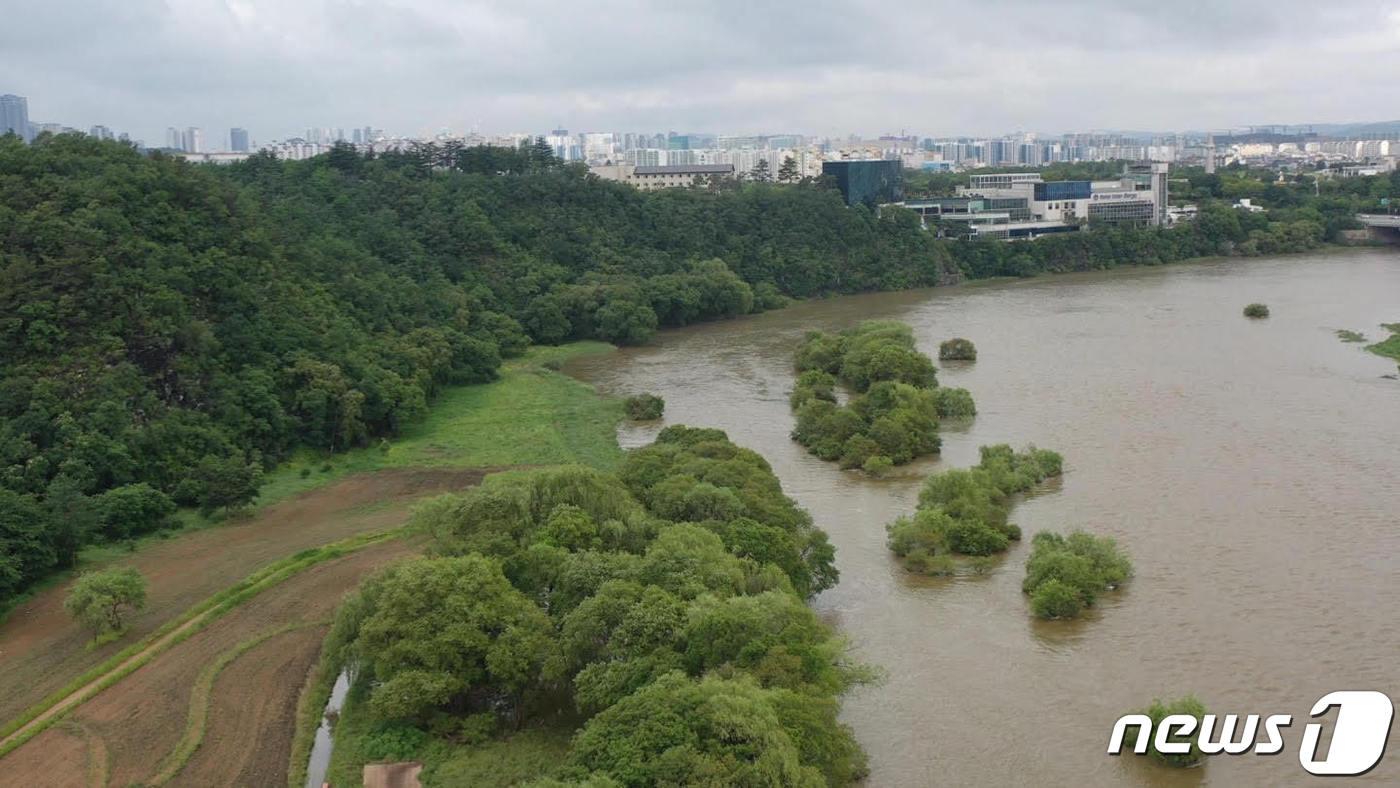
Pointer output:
x,y
970,537
982,564
926,563
957,349
1256,310
1159,711
1056,599
392,741
954,403
858,448
877,465
1080,566
644,407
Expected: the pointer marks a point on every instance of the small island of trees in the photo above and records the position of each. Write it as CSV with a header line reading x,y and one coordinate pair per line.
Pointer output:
x,y
644,407
1256,310
963,512
957,349
891,417
1066,574
1187,705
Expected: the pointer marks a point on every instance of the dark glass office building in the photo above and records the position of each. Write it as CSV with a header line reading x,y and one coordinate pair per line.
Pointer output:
x,y
870,182
1063,190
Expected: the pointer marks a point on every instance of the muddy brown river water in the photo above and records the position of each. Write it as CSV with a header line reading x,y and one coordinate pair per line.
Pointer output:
x,y
1251,469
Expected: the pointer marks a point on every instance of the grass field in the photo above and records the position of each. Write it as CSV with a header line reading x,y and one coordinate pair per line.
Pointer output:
x,y
531,416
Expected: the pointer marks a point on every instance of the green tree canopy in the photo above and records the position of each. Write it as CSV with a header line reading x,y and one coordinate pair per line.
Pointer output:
x,y
101,600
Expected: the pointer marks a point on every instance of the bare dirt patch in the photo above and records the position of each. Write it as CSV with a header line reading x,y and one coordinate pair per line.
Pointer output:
x,y
41,649
142,717
57,757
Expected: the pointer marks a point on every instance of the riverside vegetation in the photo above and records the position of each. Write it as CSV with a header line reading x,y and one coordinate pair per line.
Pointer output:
x,y
658,612
892,416
190,327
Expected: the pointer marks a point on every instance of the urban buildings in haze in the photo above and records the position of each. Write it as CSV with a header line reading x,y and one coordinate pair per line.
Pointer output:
x,y
14,116
238,140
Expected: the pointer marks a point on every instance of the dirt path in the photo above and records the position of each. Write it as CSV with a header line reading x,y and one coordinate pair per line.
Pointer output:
x,y
41,649
82,694
141,718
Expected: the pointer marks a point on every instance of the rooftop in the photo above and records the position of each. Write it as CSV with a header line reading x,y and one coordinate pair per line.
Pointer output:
x,y
685,169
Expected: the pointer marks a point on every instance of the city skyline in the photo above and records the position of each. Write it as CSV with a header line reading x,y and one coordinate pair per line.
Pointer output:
x,y
830,69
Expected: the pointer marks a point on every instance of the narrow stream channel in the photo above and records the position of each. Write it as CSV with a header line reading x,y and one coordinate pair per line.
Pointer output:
x,y
325,737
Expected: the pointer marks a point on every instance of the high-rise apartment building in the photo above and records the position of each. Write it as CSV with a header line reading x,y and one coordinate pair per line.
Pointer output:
x,y
173,139
238,140
192,140
14,116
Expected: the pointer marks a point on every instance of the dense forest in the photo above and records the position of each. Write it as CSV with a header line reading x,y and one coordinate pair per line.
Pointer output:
x,y
658,611
171,330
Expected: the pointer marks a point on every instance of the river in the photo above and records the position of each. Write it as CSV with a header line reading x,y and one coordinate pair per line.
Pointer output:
x,y
1250,467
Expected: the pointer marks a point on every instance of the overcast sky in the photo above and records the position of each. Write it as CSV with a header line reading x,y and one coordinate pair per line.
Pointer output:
x,y
277,67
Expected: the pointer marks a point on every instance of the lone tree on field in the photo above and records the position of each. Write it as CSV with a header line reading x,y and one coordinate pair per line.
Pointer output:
x,y
99,600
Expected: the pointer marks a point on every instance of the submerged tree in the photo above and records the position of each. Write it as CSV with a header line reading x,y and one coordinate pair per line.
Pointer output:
x,y
957,349
644,407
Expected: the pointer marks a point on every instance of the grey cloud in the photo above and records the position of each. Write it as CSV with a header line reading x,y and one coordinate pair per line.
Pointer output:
x,y
827,66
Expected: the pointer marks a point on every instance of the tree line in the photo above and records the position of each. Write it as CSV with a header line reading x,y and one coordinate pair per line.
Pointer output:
x,y
658,610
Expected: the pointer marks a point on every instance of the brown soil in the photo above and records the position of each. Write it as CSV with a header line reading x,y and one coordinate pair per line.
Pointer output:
x,y
41,649
56,757
141,718
252,714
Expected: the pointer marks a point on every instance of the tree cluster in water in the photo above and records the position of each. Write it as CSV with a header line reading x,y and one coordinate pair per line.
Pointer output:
x,y
963,512
892,416
662,607
1066,574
